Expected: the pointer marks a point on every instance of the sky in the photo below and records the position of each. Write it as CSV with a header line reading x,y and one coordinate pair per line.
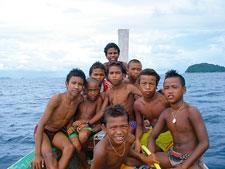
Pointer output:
x,y
58,35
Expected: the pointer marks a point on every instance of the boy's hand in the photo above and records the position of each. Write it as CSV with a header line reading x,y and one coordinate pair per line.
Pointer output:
x,y
78,122
70,130
37,162
151,159
81,126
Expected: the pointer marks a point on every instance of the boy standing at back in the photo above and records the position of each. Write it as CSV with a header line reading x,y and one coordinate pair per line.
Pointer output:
x,y
59,111
112,52
111,151
134,69
80,131
119,94
150,105
186,125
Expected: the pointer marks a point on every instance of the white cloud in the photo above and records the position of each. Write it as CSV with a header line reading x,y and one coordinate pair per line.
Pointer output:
x,y
57,35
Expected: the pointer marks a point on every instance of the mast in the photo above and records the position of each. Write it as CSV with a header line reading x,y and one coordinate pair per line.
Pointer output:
x,y
123,43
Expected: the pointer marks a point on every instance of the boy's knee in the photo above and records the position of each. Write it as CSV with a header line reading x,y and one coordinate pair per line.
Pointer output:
x,y
69,148
83,137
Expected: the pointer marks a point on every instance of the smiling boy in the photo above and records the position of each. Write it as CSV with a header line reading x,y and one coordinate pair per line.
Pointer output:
x,y
186,125
112,52
111,152
59,111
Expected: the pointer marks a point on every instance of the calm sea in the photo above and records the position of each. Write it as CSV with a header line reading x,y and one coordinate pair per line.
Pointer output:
x,y
23,101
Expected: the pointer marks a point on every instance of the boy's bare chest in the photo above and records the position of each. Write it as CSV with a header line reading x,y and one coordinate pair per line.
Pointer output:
x,y
119,97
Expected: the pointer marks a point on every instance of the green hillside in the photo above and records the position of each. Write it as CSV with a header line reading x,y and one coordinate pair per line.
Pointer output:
x,y
204,67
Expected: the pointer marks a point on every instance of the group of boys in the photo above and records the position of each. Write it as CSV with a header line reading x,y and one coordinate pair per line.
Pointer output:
x,y
121,105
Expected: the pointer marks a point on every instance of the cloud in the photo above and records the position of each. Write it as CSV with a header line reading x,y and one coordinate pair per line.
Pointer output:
x,y
59,35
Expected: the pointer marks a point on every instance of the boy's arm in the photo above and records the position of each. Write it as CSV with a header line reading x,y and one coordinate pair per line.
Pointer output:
x,y
38,159
99,158
201,134
139,129
99,114
134,90
156,131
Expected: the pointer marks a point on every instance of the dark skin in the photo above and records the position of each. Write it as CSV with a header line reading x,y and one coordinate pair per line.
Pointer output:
x,y
87,109
133,72
117,131
60,109
150,105
119,94
189,132
112,55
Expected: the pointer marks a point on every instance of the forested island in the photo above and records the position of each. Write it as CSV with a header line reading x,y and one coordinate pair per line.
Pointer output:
x,y
204,67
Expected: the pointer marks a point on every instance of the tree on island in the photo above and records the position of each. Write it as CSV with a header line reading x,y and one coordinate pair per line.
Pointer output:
x,y
204,67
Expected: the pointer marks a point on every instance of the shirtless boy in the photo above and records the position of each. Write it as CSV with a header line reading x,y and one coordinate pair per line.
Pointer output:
x,y
111,151
98,71
112,52
150,105
186,125
134,69
60,109
119,94
81,130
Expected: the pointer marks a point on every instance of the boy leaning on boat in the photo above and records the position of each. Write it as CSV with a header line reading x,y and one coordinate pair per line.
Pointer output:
x,y
59,111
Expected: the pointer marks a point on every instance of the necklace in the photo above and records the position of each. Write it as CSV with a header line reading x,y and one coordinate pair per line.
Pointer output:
x,y
174,116
115,149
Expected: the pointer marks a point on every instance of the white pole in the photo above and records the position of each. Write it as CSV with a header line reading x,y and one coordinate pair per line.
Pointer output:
x,y
123,42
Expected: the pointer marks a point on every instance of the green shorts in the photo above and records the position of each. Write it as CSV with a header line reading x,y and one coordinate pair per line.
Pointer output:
x,y
76,134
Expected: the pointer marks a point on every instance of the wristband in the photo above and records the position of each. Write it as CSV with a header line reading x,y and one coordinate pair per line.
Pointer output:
x,y
89,124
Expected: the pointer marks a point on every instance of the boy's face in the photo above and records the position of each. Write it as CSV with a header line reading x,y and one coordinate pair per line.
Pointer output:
x,y
148,85
173,89
75,85
112,55
116,129
98,74
115,75
134,70
92,91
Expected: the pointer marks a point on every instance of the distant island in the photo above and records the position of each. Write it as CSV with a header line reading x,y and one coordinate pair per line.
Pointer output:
x,y
4,78
204,67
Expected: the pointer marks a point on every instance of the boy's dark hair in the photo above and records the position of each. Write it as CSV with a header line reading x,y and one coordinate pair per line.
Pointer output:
x,y
118,64
77,73
150,72
111,45
174,73
90,79
97,65
116,110
134,61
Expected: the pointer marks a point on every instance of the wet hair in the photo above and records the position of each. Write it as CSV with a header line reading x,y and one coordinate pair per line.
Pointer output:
x,y
116,110
90,79
174,73
111,45
118,64
150,72
134,61
97,65
77,73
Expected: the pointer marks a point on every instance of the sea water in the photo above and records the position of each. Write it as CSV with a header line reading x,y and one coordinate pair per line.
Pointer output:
x,y
22,102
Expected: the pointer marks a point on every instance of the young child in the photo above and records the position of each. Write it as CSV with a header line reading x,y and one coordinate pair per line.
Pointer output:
x,y
186,125
150,105
97,71
119,94
134,69
112,52
60,109
111,151
81,130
